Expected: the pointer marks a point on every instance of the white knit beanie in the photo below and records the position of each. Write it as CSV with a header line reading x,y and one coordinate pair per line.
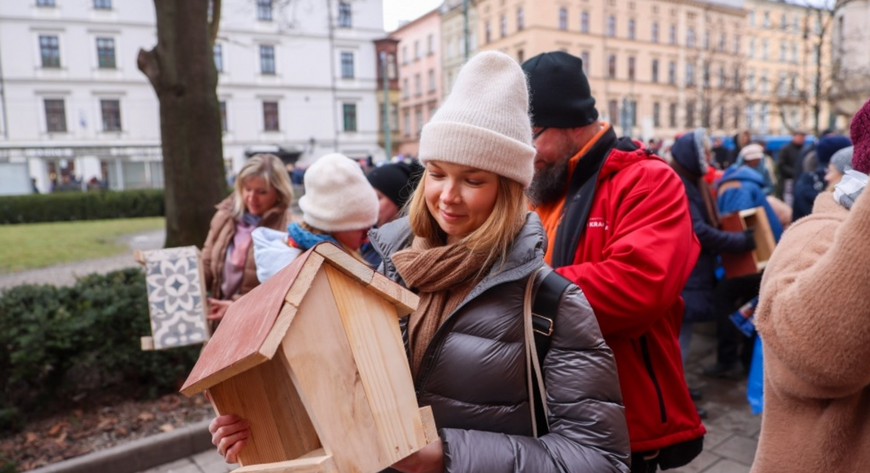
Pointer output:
x,y
484,123
338,196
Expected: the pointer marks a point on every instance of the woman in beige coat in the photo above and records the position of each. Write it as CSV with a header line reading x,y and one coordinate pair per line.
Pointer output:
x,y
261,197
814,321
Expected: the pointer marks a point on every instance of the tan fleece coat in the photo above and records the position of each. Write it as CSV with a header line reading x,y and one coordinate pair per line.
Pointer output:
x,y
221,232
814,320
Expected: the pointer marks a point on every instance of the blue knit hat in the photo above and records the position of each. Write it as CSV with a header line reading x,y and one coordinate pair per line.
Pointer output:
x,y
828,146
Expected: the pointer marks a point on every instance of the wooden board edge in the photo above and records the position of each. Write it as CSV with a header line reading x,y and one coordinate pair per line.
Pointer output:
x,y
404,300
147,343
223,374
345,263
318,464
278,331
139,257
430,430
303,280
202,293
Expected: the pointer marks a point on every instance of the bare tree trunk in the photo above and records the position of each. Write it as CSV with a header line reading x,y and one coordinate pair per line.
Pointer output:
x,y
181,70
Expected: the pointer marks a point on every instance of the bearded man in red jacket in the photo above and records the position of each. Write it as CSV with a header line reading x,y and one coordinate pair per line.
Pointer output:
x,y
618,226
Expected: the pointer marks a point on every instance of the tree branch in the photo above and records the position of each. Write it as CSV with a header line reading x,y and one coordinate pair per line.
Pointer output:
x,y
215,24
150,66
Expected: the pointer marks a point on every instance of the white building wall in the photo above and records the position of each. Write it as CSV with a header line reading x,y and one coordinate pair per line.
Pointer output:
x,y
307,84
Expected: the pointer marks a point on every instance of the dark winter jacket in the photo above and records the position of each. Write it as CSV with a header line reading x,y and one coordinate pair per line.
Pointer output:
x,y
698,292
632,257
788,161
740,189
474,376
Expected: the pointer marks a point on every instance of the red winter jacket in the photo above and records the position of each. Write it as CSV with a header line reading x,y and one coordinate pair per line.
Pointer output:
x,y
632,261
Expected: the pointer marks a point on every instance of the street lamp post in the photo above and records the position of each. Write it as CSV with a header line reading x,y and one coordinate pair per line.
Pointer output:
x,y
388,145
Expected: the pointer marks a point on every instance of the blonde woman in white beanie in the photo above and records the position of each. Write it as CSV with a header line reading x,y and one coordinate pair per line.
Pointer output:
x,y
470,248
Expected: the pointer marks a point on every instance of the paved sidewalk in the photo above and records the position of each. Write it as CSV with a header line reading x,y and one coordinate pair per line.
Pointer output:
x,y
65,274
729,446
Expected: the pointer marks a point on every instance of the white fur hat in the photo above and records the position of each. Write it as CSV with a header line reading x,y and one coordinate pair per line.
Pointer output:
x,y
338,196
484,123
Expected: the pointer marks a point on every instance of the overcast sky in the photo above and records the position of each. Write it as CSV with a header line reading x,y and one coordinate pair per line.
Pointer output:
x,y
405,10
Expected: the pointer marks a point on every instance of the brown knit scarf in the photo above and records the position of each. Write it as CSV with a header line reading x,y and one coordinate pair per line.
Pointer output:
x,y
443,275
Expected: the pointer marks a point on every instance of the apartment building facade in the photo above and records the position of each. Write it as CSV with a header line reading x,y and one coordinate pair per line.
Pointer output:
x,y
851,65
458,38
300,80
387,50
420,73
656,67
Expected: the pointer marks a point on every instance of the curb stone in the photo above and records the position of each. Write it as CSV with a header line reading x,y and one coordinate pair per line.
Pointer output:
x,y
140,454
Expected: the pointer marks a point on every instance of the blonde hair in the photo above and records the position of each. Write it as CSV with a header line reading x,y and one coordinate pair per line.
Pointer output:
x,y
272,170
494,236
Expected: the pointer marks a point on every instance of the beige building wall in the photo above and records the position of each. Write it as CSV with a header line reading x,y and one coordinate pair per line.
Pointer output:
x,y
420,77
645,59
453,39
788,50
851,50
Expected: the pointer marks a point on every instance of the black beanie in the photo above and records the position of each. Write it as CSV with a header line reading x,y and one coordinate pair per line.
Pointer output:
x,y
559,91
397,181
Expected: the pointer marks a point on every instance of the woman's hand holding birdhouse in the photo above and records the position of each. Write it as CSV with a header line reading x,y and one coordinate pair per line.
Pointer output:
x,y
229,433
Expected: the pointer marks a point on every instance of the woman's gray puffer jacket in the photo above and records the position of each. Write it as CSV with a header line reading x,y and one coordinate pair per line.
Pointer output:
x,y
474,374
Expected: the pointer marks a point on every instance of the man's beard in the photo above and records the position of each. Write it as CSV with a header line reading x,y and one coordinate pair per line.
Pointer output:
x,y
549,183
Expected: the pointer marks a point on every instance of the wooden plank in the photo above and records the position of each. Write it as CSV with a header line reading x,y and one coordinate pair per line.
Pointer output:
x,y
325,374
345,262
247,323
146,343
404,300
379,354
203,294
279,330
300,286
318,464
265,396
139,257
762,233
430,430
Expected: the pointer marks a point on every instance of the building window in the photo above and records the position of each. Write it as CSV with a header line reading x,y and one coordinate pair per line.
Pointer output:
x,y
767,19
631,68
736,115
751,18
721,77
656,113
270,116
706,75
349,115
672,72
488,32
45,3
430,44
631,29
223,109
111,111
267,59
611,66
103,4
418,85
49,49
690,73
55,116
735,81
672,115
613,110
690,37
264,10
611,26
563,19
521,19
720,119
521,56
783,51
655,32
736,46
672,34
106,53
751,51
764,50
502,26
723,40
346,65
218,58
404,55
584,22
406,120
431,80
706,40
418,115
750,81
345,19
406,89
655,70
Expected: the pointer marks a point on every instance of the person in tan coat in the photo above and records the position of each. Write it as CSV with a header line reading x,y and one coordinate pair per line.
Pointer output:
x,y
814,321
261,197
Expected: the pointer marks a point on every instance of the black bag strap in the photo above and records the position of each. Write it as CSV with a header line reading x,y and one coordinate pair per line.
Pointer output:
x,y
544,309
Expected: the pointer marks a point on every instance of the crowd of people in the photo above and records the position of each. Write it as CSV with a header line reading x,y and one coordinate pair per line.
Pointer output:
x,y
519,182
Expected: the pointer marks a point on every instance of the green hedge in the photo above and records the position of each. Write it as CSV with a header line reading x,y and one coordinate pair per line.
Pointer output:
x,y
60,343
93,205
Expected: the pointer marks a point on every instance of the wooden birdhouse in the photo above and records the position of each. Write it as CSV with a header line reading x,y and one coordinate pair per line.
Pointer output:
x,y
313,358
754,261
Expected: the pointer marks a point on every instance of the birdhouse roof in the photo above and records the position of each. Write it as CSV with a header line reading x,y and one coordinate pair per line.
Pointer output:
x,y
253,326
